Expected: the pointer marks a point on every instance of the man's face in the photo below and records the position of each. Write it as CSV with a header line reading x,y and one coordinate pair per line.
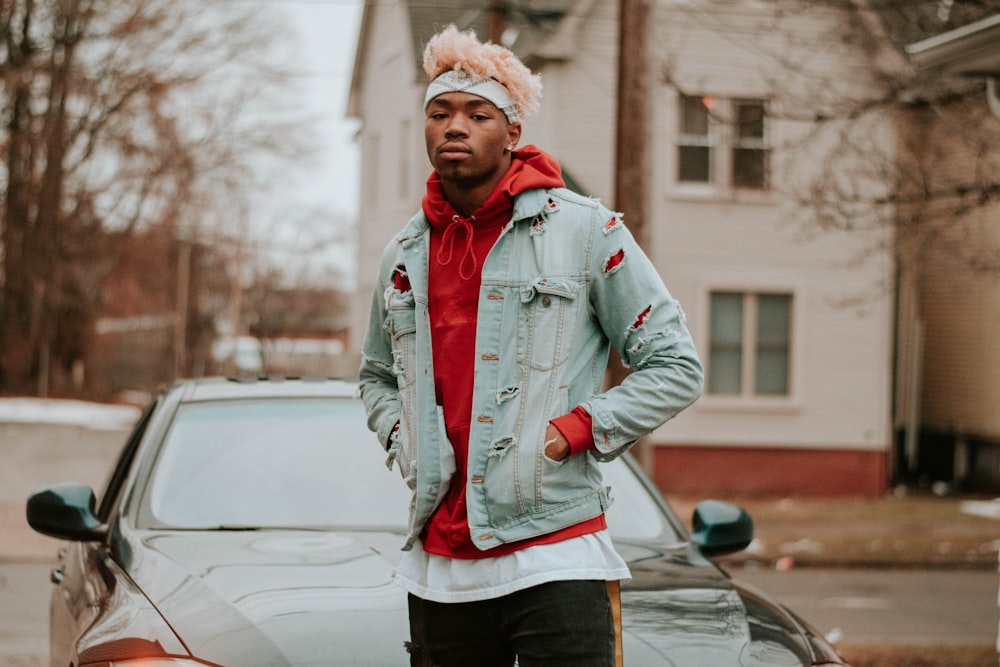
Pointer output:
x,y
467,137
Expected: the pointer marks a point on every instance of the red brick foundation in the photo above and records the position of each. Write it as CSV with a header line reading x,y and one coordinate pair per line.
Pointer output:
x,y
743,471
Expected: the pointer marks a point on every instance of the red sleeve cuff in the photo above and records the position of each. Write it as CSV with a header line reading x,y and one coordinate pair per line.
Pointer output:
x,y
577,428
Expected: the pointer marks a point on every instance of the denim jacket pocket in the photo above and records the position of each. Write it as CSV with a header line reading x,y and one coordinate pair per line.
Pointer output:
x,y
545,322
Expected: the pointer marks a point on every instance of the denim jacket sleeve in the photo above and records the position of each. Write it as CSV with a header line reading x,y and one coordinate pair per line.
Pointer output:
x,y
378,385
646,325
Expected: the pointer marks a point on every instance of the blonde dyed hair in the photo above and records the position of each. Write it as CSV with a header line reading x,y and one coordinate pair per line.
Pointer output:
x,y
451,49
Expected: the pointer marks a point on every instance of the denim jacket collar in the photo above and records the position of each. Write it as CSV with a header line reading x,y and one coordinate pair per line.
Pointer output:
x,y
527,206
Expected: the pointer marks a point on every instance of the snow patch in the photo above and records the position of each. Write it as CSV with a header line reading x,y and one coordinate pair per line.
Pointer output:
x,y
97,416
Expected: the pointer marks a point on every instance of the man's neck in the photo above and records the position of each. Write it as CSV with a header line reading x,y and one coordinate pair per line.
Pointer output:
x,y
467,198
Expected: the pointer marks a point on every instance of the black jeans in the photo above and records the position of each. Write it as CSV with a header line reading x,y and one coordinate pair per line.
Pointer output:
x,y
562,623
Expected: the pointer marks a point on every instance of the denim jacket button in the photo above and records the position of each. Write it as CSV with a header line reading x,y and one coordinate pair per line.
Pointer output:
x,y
546,301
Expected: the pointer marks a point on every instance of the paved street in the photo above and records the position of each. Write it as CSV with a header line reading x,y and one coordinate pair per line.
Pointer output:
x,y
888,606
24,612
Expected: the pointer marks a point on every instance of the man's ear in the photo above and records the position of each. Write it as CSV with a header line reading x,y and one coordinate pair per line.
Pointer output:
x,y
513,135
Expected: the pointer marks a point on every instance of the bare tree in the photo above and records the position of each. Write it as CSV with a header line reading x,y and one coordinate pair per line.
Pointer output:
x,y
855,158
943,168
118,115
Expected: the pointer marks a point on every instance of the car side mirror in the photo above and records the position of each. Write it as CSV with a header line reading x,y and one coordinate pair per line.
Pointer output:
x,y
720,528
66,512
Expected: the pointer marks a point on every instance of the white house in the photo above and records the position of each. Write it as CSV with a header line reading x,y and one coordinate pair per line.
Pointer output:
x,y
795,325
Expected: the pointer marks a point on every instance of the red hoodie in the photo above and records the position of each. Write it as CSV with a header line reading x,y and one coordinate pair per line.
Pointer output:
x,y
457,251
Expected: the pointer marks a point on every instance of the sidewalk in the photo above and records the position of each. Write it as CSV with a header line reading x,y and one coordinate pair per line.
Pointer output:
x,y
904,528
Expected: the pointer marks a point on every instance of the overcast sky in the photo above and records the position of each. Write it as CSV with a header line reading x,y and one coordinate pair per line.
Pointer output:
x,y
316,201
329,31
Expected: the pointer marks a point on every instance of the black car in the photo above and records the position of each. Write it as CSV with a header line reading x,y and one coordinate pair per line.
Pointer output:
x,y
253,523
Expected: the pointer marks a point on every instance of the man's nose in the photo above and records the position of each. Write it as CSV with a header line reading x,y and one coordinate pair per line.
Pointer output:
x,y
457,126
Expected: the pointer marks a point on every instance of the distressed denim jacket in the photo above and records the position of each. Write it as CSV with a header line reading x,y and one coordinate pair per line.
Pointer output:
x,y
564,280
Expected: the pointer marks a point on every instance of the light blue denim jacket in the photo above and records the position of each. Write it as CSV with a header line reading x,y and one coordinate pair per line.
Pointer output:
x,y
564,280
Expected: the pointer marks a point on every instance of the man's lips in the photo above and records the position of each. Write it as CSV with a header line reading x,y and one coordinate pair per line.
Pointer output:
x,y
453,152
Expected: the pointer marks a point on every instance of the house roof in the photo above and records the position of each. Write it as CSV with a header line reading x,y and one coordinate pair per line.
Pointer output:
x,y
529,25
972,50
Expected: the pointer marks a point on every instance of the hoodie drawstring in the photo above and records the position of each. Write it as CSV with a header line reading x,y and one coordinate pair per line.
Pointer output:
x,y
448,244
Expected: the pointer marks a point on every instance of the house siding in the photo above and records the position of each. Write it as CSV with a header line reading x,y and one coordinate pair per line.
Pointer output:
x,y
954,432
959,299
576,122
834,429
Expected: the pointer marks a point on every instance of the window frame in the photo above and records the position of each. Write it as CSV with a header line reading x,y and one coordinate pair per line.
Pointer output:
x,y
708,141
749,350
723,141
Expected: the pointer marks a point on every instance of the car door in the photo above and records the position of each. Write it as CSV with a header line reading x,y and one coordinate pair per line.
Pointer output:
x,y
79,586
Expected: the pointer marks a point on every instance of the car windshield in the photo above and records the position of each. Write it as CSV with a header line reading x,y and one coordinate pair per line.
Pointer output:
x,y
279,463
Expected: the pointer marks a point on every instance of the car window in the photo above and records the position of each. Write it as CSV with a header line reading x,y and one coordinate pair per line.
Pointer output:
x,y
115,484
274,463
634,514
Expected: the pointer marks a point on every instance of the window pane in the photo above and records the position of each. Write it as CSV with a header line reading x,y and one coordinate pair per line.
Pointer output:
x,y
693,164
773,318
725,362
750,119
773,343
750,168
724,375
751,152
772,373
694,116
634,515
694,151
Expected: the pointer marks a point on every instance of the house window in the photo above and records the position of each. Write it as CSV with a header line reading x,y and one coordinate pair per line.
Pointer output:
x,y
694,142
723,142
750,149
750,346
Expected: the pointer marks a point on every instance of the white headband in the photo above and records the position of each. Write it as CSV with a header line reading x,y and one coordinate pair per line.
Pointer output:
x,y
458,81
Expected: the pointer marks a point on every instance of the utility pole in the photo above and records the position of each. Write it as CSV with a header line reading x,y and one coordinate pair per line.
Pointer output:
x,y
632,140
633,135
632,132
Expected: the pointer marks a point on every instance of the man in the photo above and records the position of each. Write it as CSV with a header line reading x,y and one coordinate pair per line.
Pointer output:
x,y
482,370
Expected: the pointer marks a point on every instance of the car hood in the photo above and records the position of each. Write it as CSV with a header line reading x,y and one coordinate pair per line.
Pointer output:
x,y
301,598
681,610
276,598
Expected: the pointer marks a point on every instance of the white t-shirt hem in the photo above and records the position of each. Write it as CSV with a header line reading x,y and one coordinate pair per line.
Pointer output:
x,y
442,579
